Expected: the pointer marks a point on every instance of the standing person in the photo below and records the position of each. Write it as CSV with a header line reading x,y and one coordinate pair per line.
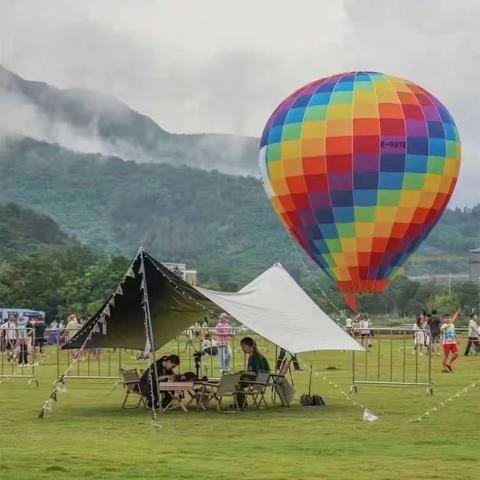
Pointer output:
x,y
61,335
25,333
10,336
73,326
472,335
426,332
39,328
189,335
52,336
370,327
419,341
434,324
224,334
364,326
450,342
348,325
355,326
198,329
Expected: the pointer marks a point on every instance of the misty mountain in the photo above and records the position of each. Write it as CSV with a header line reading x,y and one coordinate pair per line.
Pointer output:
x,y
212,221
91,122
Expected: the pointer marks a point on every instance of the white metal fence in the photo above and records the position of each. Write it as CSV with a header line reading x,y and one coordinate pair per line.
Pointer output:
x,y
393,356
18,354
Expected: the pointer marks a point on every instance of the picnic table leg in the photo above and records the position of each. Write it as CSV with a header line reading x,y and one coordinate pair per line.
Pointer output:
x,y
180,403
164,409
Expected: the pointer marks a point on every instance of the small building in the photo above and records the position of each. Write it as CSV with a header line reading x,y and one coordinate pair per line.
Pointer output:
x,y
180,269
474,265
441,278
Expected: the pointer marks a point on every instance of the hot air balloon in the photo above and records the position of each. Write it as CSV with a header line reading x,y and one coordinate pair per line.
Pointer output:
x,y
359,167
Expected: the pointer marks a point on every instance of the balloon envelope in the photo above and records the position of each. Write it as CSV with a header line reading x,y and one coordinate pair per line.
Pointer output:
x,y
360,166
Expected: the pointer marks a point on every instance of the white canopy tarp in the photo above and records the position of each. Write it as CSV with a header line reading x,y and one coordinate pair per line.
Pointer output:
x,y
274,306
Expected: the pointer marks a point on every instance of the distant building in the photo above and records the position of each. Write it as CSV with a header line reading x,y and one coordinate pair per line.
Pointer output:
x,y
474,264
442,278
180,269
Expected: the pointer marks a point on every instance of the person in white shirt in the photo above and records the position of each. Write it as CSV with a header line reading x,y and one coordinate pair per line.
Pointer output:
x,y
364,327
348,325
472,336
419,341
24,339
73,326
10,336
189,335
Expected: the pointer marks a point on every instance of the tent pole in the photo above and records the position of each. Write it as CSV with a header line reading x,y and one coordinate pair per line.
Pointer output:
x,y
149,335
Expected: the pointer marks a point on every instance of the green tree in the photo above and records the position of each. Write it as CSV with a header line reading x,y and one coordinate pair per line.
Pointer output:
x,y
444,304
468,295
33,281
85,294
400,293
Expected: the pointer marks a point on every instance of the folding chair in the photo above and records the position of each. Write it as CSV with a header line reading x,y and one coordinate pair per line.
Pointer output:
x,y
279,377
257,388
228,386
131,382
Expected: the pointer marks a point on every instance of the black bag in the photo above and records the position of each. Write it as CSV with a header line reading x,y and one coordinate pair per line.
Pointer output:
x,y
309,400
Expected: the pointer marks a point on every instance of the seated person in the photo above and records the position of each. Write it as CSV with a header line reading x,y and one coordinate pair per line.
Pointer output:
x,y
256,361
165,370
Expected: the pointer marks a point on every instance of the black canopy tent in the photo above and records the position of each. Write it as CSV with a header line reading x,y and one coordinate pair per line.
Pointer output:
x,y
149,307
150,304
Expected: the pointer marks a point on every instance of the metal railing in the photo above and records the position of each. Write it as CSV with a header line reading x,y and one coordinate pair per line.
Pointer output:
x,y
207,359
93,364
190,346
385,360
18,354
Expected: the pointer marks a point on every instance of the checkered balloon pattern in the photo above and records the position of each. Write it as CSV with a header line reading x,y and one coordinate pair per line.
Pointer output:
x,y
359,167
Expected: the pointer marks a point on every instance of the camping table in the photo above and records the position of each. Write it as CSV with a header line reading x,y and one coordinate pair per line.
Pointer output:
x,y
178,391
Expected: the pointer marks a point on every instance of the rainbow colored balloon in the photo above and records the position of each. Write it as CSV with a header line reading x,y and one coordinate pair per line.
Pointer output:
x,y
360,166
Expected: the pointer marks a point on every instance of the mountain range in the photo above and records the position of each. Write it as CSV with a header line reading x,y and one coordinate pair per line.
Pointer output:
x,y
91,122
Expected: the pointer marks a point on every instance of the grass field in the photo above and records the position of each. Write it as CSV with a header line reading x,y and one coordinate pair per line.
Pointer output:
x,y
89,436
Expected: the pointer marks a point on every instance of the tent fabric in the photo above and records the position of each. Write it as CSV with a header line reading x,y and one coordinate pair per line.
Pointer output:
x,y
274,306
173,306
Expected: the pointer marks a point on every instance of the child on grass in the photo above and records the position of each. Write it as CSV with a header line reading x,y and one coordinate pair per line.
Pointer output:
x,y
450,342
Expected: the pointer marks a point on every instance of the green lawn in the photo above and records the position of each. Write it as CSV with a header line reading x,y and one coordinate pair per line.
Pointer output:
x,y
89,436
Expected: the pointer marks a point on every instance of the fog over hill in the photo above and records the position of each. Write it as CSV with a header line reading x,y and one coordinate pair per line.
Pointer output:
x,y
92,122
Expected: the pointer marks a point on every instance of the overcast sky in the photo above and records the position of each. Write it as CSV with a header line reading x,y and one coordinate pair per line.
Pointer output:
x,y
223,65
